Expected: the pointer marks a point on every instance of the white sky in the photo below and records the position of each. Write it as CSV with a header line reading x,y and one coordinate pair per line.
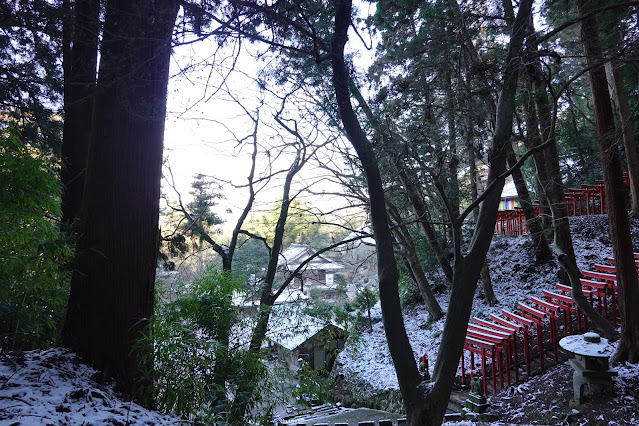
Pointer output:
x,y
203,125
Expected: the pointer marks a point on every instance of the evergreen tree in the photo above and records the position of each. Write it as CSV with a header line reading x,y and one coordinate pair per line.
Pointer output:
x,y
303,225
81,34
112,291
31,75
628,349
203,201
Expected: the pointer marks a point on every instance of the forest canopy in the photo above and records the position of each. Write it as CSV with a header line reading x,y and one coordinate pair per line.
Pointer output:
x,y
392,121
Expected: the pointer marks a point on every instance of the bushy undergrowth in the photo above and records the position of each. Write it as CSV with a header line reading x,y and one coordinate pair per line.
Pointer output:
x,y
313,387
200,372
33,283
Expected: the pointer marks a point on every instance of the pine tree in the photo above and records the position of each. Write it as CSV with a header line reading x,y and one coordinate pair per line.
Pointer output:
x,y
112,291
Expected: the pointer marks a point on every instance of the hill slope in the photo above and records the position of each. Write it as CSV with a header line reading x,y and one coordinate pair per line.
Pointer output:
x,y
365,374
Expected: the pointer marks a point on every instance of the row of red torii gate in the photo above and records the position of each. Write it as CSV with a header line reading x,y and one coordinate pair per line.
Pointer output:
x,y
585,200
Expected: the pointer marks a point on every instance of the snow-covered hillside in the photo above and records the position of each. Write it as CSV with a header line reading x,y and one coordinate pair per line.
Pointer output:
x,y
364,371
52,387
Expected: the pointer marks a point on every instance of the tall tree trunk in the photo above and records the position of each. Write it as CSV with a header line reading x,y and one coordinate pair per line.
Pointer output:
x,y
112,291
486,281
628,349
467,268
426,403
421,211
413,193
540,243
613,69
266,297
472,166
453,162
407,248
554,188
399,346
81,32
533,139
487,285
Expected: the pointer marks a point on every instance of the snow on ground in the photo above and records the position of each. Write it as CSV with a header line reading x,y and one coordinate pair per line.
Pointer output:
x,y
52,388
368,357
544,400
515,277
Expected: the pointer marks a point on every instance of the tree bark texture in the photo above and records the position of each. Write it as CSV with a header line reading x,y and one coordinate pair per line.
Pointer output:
x,y
472,165
82,28
453,162
613,70
628,285
487,285
113,290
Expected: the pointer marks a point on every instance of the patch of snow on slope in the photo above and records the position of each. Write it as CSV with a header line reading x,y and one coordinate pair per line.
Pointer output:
x,y
52,387
515,277
369,358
